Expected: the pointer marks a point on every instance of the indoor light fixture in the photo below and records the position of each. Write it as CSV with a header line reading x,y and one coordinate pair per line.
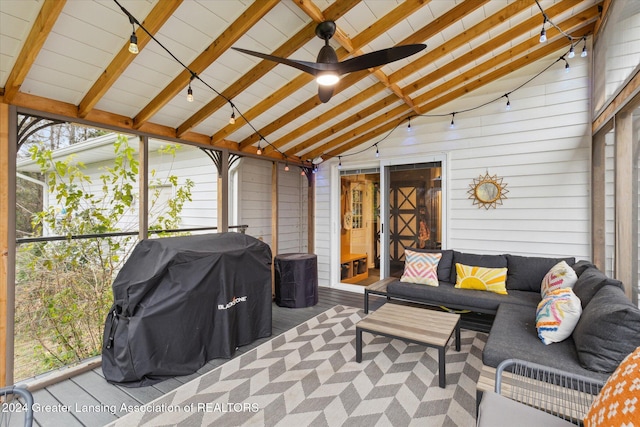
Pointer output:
x,y
190,94
327,79
133,40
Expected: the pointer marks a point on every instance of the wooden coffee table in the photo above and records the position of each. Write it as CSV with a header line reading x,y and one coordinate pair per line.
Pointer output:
x,y
412,324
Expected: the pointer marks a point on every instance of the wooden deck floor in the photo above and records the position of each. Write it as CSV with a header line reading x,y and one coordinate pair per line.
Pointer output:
x,y
92,401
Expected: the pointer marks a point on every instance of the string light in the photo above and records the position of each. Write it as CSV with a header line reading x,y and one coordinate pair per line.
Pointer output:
x,y
133,40
259,150
453,116
286,167
566,64
302,173
584,48
377,152
232,119
508,107
571,53
339,162
409,125
543,33
190,94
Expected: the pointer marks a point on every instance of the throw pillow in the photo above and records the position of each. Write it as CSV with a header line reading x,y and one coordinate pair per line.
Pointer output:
x,y
560,276
481,278
421,268
557,315
445,264
480,260
618,403
607,331
526,272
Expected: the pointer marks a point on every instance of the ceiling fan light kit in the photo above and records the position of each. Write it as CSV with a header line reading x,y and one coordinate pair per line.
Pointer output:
x,y
327,69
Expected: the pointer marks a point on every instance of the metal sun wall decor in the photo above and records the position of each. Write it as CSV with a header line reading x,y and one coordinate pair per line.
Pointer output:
x,y
487,191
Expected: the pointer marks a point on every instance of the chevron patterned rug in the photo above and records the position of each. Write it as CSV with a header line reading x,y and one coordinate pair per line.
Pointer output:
x,y
308,376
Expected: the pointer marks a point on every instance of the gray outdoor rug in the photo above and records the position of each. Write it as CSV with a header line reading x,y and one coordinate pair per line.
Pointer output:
x,y
308,376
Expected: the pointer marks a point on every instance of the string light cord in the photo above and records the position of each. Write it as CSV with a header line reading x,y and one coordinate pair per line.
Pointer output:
x,y
453,113
194,75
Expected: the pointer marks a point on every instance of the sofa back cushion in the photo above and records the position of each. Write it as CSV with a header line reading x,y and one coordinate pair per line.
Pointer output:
x,y
489,261
446,261
581,266
525,273
607,331
590,282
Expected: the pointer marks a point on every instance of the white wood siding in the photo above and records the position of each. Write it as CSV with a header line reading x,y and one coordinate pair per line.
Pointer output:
x,y
292,211
254,193
541,148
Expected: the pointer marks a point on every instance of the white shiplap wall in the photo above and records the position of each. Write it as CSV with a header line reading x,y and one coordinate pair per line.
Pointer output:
x,y
254,193
541,148
292,211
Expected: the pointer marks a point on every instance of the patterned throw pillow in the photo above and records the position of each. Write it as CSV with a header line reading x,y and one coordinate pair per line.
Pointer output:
x,y
618,403
481,278
421,268
557,315
561,275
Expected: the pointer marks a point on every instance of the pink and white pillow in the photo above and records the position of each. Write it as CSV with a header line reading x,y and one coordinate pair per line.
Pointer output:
x,y
421,267
557,315
561,275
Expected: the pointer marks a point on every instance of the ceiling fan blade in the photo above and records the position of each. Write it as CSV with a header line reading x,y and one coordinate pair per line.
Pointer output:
x,y
379,57
325,93
312,68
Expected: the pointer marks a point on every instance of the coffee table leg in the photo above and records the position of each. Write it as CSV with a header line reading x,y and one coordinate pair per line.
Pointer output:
x,y
458,336
358,345
441,367
366,301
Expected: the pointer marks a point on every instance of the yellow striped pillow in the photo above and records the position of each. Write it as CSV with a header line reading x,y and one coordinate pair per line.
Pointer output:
x,y
481,278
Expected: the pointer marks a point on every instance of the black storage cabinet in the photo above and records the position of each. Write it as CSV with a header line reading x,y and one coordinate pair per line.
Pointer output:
x,y
296,280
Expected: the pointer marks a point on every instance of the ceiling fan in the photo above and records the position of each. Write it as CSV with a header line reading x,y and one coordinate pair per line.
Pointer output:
x,y
328,69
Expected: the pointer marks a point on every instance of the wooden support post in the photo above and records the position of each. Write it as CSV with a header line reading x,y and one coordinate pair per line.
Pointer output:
x,y
223,192
626,194
598,170
143,186
8,147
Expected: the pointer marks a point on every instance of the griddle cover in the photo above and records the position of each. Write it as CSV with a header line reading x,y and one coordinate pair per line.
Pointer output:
x,y
182,301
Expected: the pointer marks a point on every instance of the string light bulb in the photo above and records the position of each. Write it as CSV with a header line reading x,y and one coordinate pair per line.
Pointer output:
x,y
543,33
377,152
566,65
339,162
259,150
453,116
286,167
190,94
232,119
508,107
572,52
584,48
133,40
303,173
408,128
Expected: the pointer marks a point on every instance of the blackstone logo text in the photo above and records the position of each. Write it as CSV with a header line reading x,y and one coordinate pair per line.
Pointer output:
x,y
232,303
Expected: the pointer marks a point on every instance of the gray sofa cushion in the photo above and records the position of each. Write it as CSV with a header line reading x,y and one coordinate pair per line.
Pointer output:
x,y
490,261
608,330
514,335
590,282
525,273
580,266
446,295
444,266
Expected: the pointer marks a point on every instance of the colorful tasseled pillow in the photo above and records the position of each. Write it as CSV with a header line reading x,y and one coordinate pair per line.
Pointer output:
x,y
481,278
420,267
557,315
561,275
618,403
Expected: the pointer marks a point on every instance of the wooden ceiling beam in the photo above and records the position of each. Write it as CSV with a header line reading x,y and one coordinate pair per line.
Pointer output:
x,y
335,11
220,45
541,51
161,12
420,36
40,30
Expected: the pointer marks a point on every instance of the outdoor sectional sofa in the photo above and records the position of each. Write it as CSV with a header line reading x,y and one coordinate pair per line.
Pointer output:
x,y
608,328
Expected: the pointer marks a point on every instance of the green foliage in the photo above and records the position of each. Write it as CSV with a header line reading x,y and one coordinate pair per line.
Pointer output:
x,y
68,283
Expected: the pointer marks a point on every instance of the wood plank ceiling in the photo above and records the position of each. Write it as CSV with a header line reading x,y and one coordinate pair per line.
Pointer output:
x,y
70,58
